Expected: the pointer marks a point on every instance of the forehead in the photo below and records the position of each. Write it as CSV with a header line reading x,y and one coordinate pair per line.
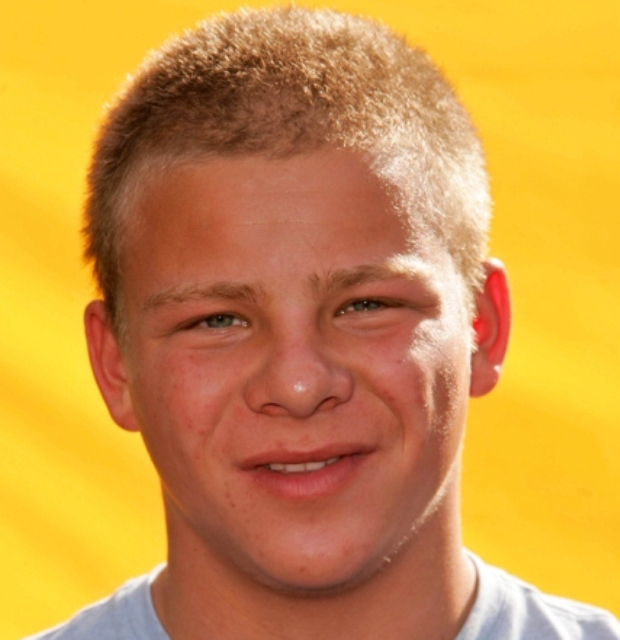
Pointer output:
x,y
273,222
346,185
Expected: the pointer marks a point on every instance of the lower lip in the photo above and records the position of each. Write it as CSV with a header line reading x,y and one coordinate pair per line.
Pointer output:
x,y
310,484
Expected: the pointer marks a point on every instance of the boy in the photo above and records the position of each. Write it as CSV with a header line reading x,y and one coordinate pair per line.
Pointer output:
x,y
287,218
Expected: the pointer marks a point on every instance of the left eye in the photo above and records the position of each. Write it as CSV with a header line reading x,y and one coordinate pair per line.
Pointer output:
x,y
363,305
223,321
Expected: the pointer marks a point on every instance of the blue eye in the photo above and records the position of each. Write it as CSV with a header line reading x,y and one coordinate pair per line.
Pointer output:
x,y
366,305
363,305
223,321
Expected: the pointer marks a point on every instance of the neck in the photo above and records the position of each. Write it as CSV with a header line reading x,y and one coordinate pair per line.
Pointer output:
x,y
425,591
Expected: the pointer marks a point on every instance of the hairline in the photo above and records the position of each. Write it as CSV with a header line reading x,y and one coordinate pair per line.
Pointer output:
x,y
406,113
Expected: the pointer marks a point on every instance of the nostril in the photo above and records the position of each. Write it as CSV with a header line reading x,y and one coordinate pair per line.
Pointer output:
x,y
328,403
274,409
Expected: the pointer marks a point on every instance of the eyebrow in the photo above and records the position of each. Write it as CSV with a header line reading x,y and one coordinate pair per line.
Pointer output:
x,y
330,283
179,294
334,282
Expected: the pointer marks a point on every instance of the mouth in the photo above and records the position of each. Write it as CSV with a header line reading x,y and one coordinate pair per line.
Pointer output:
x,y
293,460
307,475
300,467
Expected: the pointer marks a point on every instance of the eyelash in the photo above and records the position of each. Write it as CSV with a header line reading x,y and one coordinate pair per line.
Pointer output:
x,y
236,321
374,303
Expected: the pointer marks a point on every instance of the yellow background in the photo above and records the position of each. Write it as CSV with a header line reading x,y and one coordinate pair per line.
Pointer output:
x,y
79,504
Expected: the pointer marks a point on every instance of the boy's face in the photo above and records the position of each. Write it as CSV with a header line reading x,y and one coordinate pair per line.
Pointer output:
x,y
298,363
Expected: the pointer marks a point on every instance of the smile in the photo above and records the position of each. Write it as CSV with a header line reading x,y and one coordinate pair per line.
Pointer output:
x,y
303,467
307,475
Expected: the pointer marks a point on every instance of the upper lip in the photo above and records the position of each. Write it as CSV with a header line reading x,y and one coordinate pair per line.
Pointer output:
x,y
296,456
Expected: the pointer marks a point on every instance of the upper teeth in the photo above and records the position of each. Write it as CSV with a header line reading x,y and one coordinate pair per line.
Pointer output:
x,y
302,466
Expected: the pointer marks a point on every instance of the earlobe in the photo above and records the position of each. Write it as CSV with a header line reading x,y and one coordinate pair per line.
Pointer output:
x,y
108,367
491,329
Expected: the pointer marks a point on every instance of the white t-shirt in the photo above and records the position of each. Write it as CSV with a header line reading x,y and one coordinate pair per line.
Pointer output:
x,y
505,609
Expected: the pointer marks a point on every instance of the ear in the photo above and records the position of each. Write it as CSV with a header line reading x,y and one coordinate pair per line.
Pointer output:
x,y
106,360
491,329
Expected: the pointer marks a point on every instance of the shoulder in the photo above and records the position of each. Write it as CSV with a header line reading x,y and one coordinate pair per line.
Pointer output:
x,y
511,609
128,614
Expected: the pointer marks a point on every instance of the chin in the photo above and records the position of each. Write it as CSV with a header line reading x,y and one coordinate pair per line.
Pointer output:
x,y
315,577
319,586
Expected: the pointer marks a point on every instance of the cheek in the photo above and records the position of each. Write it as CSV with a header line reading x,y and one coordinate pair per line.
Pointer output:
x,y
425,380
449,401
444,372
178,399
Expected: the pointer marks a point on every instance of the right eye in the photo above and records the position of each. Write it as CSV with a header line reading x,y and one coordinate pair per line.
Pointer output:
x,y
216,321
222,321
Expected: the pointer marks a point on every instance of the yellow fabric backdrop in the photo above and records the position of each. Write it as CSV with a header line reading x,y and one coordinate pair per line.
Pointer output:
x,y
79,503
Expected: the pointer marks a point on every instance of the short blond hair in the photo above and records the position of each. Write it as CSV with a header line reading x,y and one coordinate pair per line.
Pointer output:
x,y
278,82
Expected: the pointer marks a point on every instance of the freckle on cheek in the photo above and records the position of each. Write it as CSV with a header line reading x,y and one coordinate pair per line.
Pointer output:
x,y
230,501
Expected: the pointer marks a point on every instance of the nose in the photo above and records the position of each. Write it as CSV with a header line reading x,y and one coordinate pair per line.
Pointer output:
x,y
297,378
